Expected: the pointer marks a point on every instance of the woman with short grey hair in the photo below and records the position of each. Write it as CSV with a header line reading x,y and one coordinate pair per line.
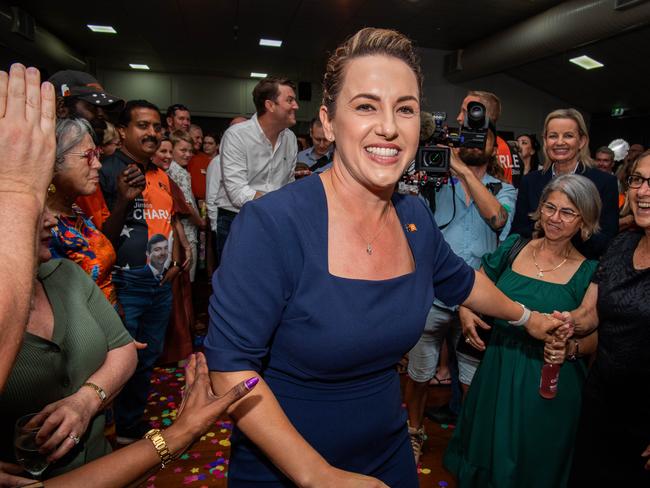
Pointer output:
x,y
76,174
505,410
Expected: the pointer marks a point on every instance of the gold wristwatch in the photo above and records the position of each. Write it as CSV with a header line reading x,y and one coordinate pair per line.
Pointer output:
x,y
98,389
159,443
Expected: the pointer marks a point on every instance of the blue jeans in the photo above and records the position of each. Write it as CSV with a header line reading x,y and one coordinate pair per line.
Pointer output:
x,y
147,306
224,221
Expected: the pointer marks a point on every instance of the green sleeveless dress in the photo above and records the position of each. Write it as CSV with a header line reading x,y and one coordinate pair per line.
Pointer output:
x,y
507,434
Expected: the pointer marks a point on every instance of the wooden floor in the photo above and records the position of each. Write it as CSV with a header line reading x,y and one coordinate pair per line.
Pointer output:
x,y
205,464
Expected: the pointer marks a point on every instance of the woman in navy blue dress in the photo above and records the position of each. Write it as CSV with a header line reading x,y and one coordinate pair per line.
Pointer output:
x,y
326,283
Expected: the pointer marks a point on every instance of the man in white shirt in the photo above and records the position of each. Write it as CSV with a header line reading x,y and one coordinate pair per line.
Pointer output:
x,y
259,155
213,183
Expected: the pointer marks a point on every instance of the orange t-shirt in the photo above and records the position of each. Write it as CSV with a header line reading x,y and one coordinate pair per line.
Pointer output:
x,y
198,168
505,158
94,207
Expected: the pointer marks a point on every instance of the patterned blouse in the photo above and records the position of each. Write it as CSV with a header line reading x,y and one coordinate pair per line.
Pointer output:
x,y
76,238
182,178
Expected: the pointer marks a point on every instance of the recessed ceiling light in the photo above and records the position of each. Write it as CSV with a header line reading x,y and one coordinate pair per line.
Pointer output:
x,y
258,75
586,62
270,42
105,29
139,66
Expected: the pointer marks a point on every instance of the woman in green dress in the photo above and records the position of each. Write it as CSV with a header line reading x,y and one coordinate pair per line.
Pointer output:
x,y
507,434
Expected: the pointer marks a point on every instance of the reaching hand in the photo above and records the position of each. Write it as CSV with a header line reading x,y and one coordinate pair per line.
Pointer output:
x,y
171,273
469,321
540,325
64,422
201,407
130,183
27,143
8,478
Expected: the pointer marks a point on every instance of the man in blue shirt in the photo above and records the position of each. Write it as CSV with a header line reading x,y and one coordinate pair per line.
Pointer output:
x,y
319,156
474,209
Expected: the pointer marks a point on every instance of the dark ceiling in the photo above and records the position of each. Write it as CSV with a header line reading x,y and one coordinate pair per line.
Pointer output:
x,y
220,38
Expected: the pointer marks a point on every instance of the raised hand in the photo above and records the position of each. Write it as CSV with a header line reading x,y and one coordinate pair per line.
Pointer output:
x,y
130,183
27,143
201,407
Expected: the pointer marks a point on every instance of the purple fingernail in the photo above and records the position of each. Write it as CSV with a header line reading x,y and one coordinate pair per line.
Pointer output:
x,y
251,382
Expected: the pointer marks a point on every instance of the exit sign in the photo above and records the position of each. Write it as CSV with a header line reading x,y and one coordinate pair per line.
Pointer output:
x,y
617,112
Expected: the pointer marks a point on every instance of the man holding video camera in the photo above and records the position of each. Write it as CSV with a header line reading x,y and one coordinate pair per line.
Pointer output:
x,y
474,209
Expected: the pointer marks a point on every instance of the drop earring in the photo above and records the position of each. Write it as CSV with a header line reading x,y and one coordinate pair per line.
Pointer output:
x,y
51,190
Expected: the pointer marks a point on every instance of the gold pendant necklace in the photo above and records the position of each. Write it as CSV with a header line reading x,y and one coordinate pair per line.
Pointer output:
x,y
383,225
381,228
540,271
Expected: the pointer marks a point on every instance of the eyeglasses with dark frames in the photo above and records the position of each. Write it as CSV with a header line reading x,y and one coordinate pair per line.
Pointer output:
x,y
89,154
636,181
566,214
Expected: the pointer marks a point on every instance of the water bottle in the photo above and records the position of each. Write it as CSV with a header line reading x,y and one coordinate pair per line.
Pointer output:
x,y
549,380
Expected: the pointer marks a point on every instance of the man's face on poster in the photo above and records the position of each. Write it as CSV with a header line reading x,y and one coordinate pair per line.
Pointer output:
x,y
158,255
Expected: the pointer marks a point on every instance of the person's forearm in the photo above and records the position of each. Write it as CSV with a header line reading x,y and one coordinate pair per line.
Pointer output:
x,y
20,213
585,317
261,418
115,222
583,346
118,367
487,299
123,467
195,218
176,245
488,206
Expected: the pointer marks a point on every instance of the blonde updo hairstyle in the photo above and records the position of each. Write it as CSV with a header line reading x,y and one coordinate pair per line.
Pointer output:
x,y
367,42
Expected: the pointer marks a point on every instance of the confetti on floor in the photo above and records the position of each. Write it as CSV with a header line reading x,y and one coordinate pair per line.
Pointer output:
x,y
205,464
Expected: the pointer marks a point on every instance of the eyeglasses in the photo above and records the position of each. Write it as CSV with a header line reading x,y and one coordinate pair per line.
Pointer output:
x,y
636,181
566,214
89,154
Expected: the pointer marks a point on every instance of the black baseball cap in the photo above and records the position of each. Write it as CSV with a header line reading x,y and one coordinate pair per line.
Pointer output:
x,y
70,83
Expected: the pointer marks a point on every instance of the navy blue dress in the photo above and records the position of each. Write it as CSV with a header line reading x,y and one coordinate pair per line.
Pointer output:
x,y
327,346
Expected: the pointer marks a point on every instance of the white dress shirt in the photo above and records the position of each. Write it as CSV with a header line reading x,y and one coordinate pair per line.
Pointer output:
x,y
212,184
249,163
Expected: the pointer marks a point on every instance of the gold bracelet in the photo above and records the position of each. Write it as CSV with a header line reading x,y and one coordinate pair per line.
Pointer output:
x,y
159,443
98,389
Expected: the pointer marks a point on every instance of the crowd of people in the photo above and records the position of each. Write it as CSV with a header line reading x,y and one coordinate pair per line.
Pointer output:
x,y
518,278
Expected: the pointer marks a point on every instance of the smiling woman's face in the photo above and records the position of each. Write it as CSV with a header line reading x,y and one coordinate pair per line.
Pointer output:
x,y
563,141
377,121
639,198
565,222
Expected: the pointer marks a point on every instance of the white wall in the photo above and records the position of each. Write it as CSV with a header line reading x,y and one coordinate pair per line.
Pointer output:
x,y
524,107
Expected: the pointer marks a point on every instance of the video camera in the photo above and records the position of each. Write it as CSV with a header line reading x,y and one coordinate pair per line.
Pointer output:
x,y
433,159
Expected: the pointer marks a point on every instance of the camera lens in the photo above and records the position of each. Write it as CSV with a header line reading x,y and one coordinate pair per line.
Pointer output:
x,y
476,113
